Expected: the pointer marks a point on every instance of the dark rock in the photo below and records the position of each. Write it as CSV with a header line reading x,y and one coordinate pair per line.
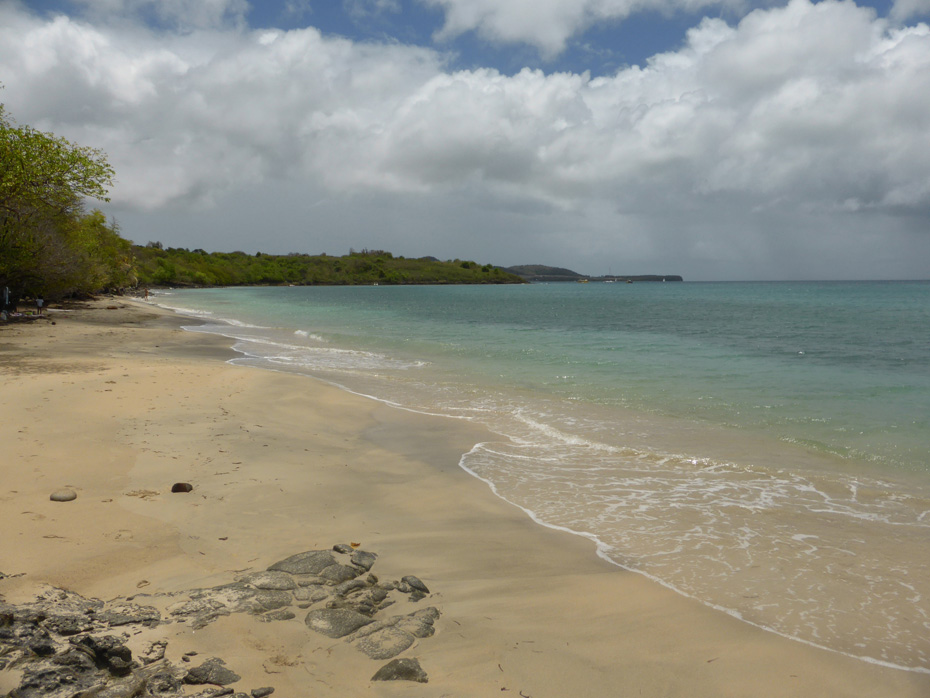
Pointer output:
x,y
415,583
108,652
262,692
335,574
76,659
385,643
310,562
69,624
269,601
42,647
270,580
406,669
163,683
347,587
154,652
416,595
211,671
420,623
63,496
128,613
280,614
182,487
363,559
343,548
335,622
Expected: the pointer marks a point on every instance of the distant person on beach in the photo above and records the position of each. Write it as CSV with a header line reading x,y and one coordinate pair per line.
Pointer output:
x,y
146,294
39,304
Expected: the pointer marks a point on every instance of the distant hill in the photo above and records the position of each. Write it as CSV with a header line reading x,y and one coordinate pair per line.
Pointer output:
x,y
541,272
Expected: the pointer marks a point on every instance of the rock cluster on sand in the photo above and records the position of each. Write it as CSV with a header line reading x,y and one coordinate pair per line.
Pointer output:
x,y
66,645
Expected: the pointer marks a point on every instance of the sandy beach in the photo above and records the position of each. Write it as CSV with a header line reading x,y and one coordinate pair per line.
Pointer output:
x,y
115,402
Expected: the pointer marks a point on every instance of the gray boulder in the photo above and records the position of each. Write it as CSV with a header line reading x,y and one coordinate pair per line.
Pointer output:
x,y
385,643
310,562
406,669
213,672
335,622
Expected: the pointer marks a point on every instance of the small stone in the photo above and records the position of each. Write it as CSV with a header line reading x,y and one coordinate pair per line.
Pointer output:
x,y
63,496
280,614
363,559
211,671
182,487
415,583
343,548
262,692
406,669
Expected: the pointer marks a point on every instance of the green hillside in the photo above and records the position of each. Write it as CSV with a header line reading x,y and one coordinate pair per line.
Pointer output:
x,y
155,266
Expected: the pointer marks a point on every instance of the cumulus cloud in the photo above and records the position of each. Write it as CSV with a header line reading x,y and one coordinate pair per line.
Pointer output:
x,y
903,10
548,24
800,130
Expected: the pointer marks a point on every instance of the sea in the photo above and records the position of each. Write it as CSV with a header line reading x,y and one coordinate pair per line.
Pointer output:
x,y
763,448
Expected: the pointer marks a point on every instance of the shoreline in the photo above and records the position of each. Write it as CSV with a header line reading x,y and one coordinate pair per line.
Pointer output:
x,y
282,464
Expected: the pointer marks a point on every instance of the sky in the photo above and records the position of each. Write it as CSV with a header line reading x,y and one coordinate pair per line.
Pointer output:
x,y
716,139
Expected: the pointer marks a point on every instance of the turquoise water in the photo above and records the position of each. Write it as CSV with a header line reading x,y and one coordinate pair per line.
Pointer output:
x,y
762,447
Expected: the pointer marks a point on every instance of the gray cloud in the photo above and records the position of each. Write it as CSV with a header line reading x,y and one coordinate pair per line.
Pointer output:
x,y
789,146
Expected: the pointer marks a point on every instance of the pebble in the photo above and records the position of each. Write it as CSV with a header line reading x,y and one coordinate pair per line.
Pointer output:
x,y
63,496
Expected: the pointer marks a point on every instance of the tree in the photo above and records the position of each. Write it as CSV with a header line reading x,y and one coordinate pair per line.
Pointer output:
x,y
48,245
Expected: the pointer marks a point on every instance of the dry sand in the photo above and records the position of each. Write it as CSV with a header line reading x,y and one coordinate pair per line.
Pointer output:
x,y
119,403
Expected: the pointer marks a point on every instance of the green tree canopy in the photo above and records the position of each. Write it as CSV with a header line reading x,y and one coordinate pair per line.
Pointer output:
x,y
48,244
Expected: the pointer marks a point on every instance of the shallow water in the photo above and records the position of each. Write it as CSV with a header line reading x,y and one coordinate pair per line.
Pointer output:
x,y
759,446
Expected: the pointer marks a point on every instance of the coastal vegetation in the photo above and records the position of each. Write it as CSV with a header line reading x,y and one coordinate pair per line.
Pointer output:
x,y
157,266
50,245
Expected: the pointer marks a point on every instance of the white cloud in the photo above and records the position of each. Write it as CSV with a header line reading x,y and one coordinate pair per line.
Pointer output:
x,y
803,129
548,24
903,10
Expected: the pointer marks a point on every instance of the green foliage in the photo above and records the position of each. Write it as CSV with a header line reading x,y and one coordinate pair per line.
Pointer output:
x,y
180,267
48,245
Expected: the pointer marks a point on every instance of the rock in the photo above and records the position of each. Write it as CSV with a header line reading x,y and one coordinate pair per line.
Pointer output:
x,y
420,624
262,692
335,622
280,614
211,671
270,580
337,573
163,683
154,652
269,601
363,559
129,688
182,487
343,548
126,613
310,562
347,587
415,583
108,652
406,669
385,643
68,624
63,496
